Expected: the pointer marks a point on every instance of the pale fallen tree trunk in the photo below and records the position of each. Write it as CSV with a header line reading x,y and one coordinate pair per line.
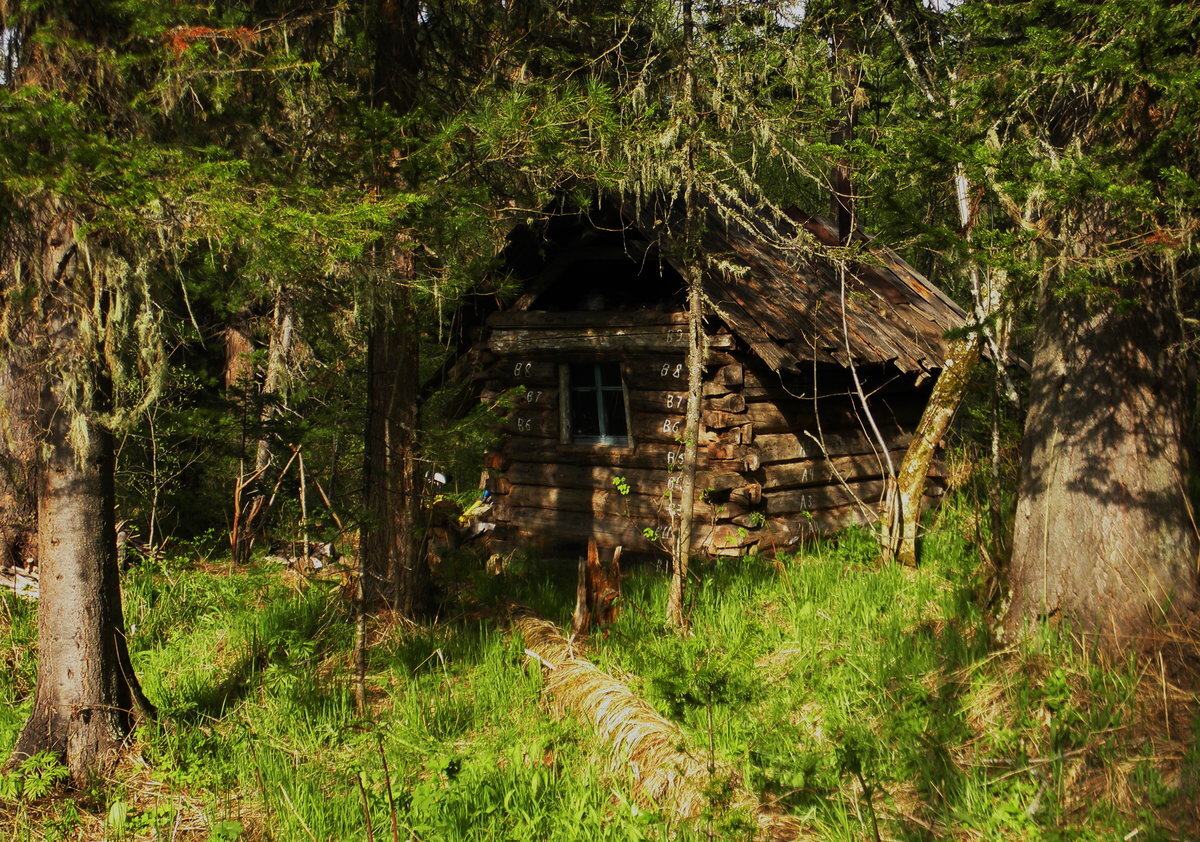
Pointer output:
x,y
900,530
665,774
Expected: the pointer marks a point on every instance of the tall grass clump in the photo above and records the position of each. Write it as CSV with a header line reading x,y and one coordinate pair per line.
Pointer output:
x,y
874,699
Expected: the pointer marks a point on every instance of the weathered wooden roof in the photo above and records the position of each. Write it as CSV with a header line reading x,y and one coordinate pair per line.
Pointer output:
x,y
781,292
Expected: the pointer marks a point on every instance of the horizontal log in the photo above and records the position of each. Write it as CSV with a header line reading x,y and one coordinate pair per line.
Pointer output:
x,y
637,339
782,475
546,528
727,539
669,372
818,497
584,319
543,422
656,505
730,467
747,455
549,527
733,402
748,494
532,395
522,371
770,418
588,340
730,375
665,372
785,533
538,422
659,401
494,461
717,420
733,435
786,447
643,455
642,480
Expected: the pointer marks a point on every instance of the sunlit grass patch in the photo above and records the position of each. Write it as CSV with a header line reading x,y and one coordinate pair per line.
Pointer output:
x,y
845,693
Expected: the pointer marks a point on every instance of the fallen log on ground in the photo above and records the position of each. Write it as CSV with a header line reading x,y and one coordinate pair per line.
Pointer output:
x,y
665,773
21,582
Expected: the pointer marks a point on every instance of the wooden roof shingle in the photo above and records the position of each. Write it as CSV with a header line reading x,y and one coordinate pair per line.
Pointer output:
x,y
778,286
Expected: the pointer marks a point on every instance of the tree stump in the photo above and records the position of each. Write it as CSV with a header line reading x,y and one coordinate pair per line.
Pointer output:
x,y
598,591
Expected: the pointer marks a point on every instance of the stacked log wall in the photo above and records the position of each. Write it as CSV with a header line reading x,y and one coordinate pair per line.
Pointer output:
x,y
551,493
774,467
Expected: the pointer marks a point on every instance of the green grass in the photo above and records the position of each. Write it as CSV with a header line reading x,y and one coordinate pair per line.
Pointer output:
x,y
846,693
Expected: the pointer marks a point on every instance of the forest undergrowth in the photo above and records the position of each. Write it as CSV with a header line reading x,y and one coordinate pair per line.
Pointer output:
x,y
870,702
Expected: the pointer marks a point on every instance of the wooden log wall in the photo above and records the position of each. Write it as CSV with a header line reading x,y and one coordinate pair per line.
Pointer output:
x,y
775,468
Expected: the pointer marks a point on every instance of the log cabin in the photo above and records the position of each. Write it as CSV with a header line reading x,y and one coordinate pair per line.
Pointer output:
x,y
588,368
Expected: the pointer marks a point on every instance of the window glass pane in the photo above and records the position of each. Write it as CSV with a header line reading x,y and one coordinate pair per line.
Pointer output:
x,y
597,404
584,418
614,413
610,374
583,376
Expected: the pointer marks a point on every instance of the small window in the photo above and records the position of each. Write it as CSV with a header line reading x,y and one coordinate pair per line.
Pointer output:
x,y
597,404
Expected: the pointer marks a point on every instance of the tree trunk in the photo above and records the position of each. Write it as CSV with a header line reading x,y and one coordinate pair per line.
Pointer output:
x,y
597,590
18,457
900,535
391,567
1102,539
273,396
392,571
843,104
274,391
87,696
239,367
676,615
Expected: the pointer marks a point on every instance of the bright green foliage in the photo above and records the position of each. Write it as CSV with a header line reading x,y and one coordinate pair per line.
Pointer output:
x,y
18,638
34,778
1083,118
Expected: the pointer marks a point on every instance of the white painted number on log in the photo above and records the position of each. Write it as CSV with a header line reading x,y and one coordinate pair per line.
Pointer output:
x,y
524,425
676,401
533,397
668,371
670,426
522,369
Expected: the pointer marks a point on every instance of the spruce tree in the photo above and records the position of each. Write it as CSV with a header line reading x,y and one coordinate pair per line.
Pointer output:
x,y
1091,115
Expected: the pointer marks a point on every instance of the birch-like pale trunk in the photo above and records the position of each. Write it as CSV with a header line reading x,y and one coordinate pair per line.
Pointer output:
x,y
676,613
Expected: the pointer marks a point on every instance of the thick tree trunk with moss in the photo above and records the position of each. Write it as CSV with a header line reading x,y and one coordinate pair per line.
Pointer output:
x,y
1103,541
87,696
